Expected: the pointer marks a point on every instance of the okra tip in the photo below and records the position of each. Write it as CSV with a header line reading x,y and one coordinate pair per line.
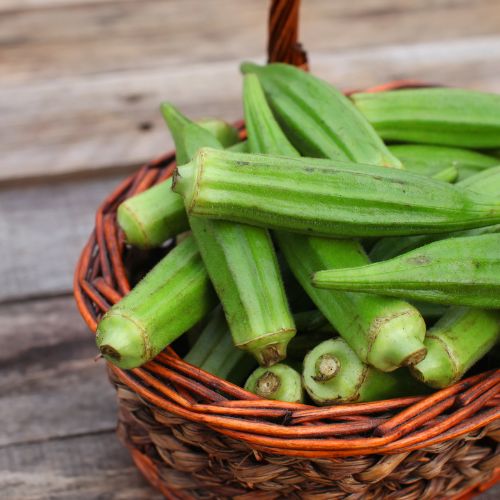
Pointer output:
x,y
121,341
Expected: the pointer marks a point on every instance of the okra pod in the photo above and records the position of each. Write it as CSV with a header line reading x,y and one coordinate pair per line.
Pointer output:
x,y
427,159
171,298
224,132
239,147
333,374
456,342
243,268
309,110
326,197
215,352
279,382
486,182
385,332
152,217
457,271
443,116
449,174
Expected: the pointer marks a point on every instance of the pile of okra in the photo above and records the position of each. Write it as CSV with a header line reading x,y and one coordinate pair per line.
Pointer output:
x,y
347,250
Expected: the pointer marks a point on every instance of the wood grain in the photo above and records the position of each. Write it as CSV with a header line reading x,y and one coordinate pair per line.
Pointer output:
x,y
112,120
94,467
82,81
50,385
42,231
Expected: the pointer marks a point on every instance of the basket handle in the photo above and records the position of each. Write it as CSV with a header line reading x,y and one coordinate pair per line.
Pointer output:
x,y
283,45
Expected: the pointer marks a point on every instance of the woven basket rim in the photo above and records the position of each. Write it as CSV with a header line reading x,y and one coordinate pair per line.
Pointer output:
x,y
392,426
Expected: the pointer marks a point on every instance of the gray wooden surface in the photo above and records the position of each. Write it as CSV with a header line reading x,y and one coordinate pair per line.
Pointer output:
x,y
79,91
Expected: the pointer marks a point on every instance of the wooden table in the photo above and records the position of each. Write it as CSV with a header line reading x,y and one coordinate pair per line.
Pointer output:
x,y
79,93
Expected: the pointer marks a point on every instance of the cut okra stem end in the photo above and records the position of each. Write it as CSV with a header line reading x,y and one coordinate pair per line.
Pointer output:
x,y
267,385
270,348
327,366
184,182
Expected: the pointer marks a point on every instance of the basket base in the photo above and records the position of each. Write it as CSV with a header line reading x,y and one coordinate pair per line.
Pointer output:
x,y
187,460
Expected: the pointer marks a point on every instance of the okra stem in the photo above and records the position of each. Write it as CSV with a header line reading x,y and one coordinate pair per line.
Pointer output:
x,y
457,341
334,374
152,217
279,382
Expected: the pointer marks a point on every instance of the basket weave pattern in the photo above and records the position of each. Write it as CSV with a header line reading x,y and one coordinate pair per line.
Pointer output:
x,y
194,435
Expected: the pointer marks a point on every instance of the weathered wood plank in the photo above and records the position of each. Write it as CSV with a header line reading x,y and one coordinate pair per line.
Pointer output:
x,y
42,231
50,385
111,120
83,37
79,468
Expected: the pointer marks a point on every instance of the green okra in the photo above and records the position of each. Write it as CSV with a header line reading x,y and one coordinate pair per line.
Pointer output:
x,y
383,331
333,374
311,321
457,271
152,217
449,174
239,147
486,182
455,343
225,133
243,268
208,339
215,352
310,110
171,298
326,197
428,159
443,116
279,382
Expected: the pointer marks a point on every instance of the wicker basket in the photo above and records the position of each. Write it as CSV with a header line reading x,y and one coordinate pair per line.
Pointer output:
x,y
194,435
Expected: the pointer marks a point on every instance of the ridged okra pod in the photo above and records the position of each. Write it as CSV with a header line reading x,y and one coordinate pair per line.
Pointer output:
x,y
279,382
427,159
152,217
457,271
170,299
456,342
310,110
385,332
333,374
243,267
326,197
486,182
215,352
443,116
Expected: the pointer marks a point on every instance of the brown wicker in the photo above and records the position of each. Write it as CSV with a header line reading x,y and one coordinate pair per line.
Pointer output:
x,y
194,435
